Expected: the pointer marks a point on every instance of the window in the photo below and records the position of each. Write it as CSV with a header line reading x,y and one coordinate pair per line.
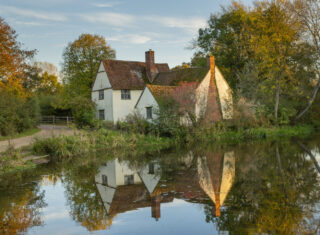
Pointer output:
x,y
104,180
101,95
151,168
128,179
101,114
149,112
125,95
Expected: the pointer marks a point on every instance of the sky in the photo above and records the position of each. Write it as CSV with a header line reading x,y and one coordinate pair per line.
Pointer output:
x,y
131,27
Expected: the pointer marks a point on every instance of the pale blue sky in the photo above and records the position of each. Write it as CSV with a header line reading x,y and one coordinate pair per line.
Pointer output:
x,y
130,26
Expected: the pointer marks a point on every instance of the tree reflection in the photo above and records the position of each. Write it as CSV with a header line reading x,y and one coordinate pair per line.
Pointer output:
x,y
275,191
83,198
21,212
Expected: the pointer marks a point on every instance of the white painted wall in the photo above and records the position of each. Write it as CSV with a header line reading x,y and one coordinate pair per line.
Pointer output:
x,y
225,95
106,104
202,95
102,83
227,175
122,108
107,192
150,180
147,100
122,169
102,80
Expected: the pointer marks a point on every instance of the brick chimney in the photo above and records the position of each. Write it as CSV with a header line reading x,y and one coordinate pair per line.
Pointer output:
x,y
213,111
151,68
155,207
211,62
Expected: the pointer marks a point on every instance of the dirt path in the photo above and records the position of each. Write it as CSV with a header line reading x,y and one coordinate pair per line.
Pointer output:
x,y
46,132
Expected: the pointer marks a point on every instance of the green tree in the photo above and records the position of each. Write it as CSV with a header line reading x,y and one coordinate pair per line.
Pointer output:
x,y
261,51
308,11
81,60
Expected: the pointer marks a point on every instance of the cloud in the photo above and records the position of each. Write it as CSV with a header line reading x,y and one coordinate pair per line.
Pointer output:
x,y
104,5
56,215
32,14
126,20
110,18
29,23
189,24
130,38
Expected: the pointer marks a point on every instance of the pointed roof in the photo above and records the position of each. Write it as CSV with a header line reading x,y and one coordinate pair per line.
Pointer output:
x,y
129,74
216,174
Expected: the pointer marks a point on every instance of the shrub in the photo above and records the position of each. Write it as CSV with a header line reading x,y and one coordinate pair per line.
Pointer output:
x,y
17,114
62,146
135,123
83,111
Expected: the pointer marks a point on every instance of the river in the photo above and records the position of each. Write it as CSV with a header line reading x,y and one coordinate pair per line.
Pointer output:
x,y
261,187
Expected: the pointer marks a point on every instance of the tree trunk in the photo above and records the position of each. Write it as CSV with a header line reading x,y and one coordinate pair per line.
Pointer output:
x,y
276,105
313,158
280,170
310,101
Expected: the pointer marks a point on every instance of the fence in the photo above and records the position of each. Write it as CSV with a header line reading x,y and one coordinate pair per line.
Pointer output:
x,y
56,120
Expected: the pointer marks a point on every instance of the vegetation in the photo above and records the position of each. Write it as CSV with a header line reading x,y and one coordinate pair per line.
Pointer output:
x,y
266,55
100,141
12,161
81,60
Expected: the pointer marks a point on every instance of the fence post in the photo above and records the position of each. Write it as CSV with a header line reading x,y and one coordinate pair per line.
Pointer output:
x,y
53,119
67,121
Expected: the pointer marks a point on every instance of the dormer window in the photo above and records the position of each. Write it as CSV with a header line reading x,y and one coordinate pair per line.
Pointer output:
x,y
125,94
101,95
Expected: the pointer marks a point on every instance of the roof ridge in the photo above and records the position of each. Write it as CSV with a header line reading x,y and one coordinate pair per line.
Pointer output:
x,y
131,61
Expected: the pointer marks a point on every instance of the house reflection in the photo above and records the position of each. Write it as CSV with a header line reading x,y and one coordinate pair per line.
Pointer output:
x,y
216,174
123,188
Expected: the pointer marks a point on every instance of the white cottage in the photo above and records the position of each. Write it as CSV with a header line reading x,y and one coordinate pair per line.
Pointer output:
x,y
119,84
213,96
122,87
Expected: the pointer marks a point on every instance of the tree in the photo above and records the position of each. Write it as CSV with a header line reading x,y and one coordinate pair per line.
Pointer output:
x,y
18,110
81,60
274,33
308,12
226,38
13,60
256,49
184,65
38,81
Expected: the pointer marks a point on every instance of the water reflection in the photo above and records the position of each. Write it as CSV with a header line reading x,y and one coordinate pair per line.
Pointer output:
x,y
123,188
216,173
270,188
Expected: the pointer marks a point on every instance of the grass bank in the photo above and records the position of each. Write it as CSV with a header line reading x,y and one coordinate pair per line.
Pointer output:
x,y
261,133
12,160
100,141
22,134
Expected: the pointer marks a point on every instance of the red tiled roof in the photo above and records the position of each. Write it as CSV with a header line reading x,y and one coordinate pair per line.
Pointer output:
x,y
129,74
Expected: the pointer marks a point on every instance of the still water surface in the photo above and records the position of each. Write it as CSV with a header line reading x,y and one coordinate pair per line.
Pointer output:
x,y
270,188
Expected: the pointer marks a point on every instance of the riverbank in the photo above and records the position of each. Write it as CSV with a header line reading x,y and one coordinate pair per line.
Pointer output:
x,y
261,133
82,143
124,144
